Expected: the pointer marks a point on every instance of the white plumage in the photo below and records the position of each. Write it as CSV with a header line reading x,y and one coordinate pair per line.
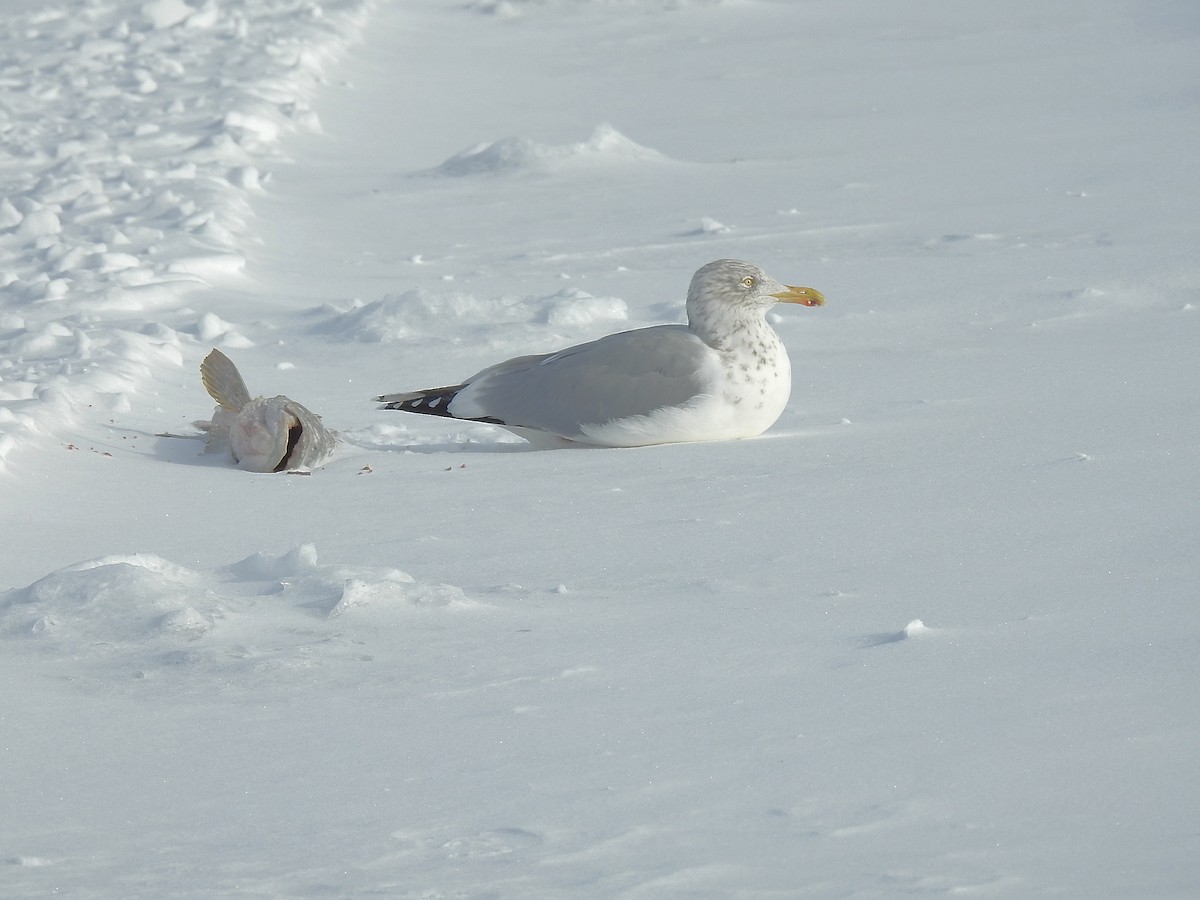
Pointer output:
x,y
724,375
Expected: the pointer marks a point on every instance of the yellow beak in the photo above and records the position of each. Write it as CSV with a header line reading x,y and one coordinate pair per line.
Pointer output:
x,y
805,296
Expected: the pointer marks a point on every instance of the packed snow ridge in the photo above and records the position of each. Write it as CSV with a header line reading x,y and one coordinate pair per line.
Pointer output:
x,y
130,168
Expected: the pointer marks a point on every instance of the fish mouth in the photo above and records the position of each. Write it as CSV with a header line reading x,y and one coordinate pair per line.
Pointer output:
x,y
295,433
805,296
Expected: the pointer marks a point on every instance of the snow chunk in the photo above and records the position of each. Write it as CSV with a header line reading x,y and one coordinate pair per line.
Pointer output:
x,y
578,308
166,13
914,629
40,223
210,327
245,177
711,226
10,216
259,126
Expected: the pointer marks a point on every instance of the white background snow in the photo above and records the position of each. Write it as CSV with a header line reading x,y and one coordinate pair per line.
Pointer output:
x,y
935,633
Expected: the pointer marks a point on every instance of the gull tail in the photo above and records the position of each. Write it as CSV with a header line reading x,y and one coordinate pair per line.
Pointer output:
x,y
223,381
432,402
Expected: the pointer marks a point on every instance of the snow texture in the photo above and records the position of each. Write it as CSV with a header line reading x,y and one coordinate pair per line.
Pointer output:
x,y
136,135
933,634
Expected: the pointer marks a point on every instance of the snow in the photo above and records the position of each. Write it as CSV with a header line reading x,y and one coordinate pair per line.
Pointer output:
x,y
515,154
933,633
266,611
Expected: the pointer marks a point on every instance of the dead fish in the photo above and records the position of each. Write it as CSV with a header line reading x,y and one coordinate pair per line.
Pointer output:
x,y
264,434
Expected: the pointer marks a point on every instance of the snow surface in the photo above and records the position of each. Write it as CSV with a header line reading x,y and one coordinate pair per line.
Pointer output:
x,y
934,633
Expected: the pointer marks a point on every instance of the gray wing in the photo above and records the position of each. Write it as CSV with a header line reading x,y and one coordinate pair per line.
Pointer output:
x,y
631,373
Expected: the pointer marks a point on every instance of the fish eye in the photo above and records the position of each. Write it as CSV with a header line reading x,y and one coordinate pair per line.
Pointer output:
x,y
748,281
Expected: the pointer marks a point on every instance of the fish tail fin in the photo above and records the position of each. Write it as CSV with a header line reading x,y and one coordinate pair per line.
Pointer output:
x,y
223,381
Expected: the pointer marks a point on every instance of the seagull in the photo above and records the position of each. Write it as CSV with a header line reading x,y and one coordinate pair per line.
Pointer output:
x,y
722,376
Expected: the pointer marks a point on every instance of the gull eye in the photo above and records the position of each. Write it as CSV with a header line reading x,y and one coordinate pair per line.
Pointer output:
x,y
748,281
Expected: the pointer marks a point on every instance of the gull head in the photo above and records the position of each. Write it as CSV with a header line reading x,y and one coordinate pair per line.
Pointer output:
x,y
741,285
737,283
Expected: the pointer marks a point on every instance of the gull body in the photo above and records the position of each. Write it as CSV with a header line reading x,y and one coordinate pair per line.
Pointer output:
x,y
723,375
263,434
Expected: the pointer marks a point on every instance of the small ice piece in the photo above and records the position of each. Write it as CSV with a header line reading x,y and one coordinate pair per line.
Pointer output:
x,y
914,628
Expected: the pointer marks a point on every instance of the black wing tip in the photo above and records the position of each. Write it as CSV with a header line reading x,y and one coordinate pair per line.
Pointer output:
x,y
433,403
429,403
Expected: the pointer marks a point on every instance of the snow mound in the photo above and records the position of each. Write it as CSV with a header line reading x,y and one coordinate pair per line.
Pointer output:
x,y
421,314
606,146
140,611
509,9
